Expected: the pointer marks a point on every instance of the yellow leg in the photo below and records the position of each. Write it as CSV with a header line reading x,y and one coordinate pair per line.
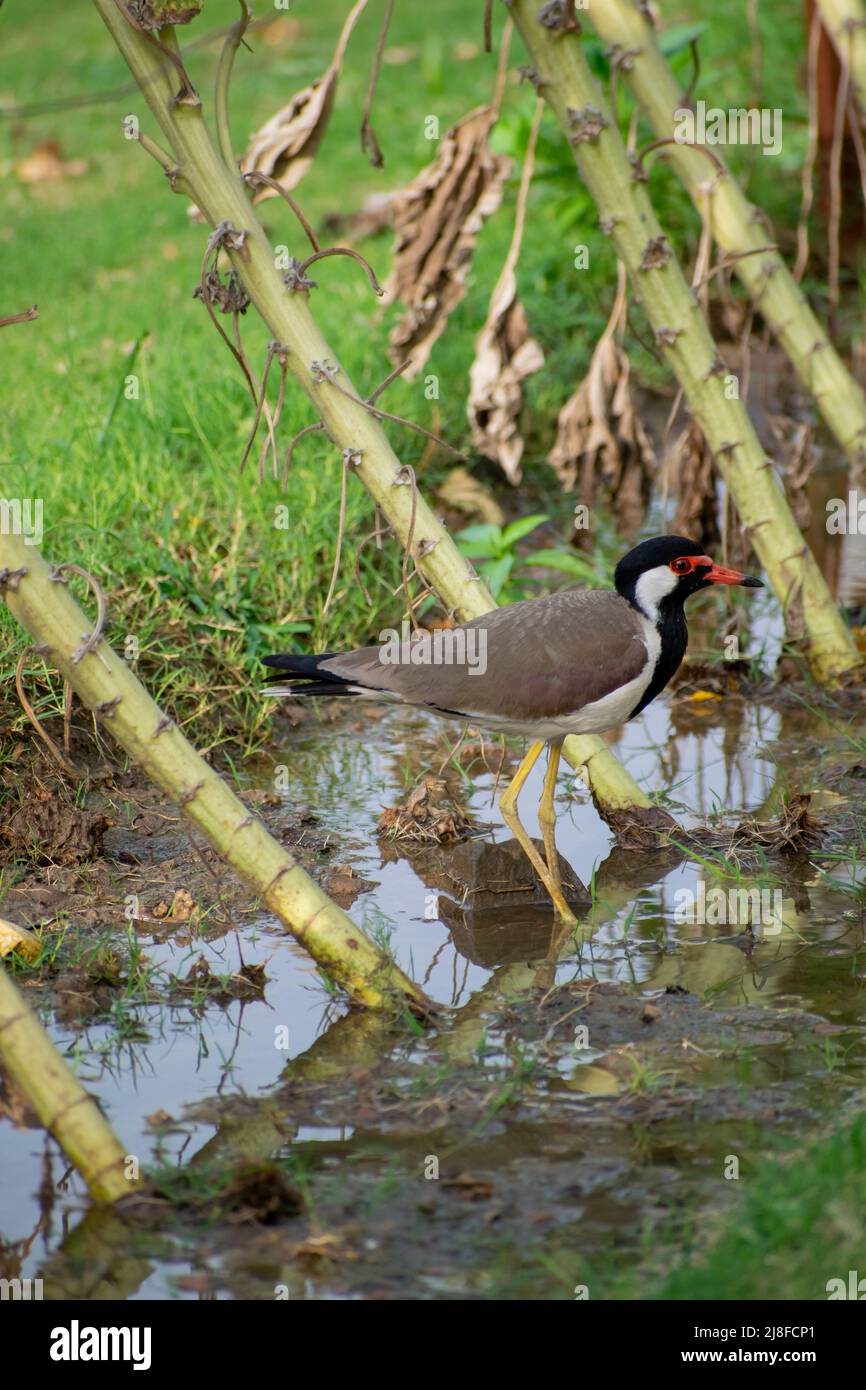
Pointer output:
x,y
547,814
508,807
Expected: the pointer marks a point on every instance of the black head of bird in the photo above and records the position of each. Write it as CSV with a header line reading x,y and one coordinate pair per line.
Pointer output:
x,y
671,567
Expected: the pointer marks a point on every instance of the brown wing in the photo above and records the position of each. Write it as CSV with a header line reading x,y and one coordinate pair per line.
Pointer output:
x,y
545,658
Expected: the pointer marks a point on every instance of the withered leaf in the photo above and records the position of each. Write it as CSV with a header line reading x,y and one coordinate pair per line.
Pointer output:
x,y
45,164
691,469
472,1186
183,908
437,220
153,14
425,815
797,449
280,31
505,353
325,1245
465,493
793,830
15,938
285,146
599,428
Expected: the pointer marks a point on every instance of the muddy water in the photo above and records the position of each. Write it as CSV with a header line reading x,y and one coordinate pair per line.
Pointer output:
x,y
164,1072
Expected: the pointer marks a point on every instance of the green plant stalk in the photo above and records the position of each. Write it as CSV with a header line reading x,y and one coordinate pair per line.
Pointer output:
x,y
107,686
739,229
222,196
60,1101
564,79
845,22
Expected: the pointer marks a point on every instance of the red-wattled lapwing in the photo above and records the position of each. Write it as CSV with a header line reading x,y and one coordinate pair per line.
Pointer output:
x,y
576,662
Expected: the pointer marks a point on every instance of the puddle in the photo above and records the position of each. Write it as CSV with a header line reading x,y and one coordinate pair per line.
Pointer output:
x,y
553,1149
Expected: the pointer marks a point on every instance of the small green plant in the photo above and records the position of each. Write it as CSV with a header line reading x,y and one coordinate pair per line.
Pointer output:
x,y
646,1077
494,548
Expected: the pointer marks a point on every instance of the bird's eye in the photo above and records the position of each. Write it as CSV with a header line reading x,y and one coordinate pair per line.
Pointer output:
x,y
680,566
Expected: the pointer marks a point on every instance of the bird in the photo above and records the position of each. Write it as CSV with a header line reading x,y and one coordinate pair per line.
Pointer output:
x,y
579,661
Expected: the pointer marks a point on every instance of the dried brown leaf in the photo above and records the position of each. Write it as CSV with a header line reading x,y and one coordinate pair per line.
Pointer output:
x,y
794,830
464,493
285,146
505,353
324,1245
800,455
20,939
280,31
437,221
45,164
183,907
691,464
153,14
472,1186
600,439
425,815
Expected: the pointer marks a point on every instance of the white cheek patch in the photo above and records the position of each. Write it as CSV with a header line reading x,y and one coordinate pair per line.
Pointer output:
x,y
652,587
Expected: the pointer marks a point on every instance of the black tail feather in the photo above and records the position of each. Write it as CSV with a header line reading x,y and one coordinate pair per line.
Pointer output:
x,y
300,665
305,676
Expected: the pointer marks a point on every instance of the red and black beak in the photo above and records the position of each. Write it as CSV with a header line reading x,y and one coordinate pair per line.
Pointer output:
x,y
719,575
710,573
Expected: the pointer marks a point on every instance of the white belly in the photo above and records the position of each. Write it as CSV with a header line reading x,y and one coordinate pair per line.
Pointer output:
x,y
594,718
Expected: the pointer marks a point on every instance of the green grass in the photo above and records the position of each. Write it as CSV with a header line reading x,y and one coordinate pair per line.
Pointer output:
x,y
187,549
801,1224
791,1224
